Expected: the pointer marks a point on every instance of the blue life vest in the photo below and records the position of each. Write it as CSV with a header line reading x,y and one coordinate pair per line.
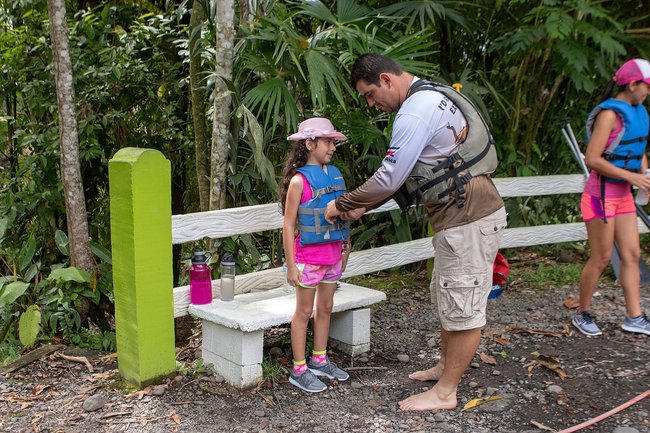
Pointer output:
x,y
628,148
325,186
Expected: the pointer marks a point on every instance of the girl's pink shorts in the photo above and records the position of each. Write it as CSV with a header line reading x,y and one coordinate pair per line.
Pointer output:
x,y
312,275
592,207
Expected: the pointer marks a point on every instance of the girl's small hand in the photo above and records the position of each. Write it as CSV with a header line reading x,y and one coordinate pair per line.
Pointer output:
x,y
331,212
293,276
641,181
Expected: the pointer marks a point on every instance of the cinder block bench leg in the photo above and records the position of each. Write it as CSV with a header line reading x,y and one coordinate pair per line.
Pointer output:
x,y
236,355
351,330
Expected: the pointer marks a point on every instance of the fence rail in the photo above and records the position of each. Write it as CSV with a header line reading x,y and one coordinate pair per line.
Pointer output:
x,y
251,219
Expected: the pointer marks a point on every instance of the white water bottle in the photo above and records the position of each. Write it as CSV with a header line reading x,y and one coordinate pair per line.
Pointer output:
x,y
227,278
641,195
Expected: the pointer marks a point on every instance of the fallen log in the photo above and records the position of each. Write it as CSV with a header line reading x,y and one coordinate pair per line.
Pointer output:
x,y
30,357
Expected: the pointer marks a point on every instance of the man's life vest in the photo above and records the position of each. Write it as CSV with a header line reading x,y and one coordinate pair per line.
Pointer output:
x,y
433,184
325,186
628,148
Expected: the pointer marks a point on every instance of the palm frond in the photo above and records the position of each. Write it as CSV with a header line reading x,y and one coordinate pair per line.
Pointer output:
x,y
426,12
268,98
254,135
323,75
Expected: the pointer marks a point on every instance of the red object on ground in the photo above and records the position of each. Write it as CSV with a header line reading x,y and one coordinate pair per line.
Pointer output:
x,y
500,270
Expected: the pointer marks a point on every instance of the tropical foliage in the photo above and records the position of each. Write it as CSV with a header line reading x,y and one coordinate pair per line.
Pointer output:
x,y
528,66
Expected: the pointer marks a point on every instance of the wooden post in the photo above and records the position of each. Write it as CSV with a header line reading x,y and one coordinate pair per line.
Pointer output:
x,y
141,236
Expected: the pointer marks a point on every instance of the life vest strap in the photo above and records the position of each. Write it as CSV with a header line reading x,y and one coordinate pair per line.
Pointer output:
x,y
446,163
634,140
452,173
457,184
323,228
315,211
603,181
612,157
326,190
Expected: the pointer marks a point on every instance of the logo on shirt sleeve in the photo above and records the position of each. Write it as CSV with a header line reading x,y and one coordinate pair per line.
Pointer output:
x,y
390,154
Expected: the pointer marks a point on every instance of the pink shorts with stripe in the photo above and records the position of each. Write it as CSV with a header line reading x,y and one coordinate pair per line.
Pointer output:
x,y
312,275
592,207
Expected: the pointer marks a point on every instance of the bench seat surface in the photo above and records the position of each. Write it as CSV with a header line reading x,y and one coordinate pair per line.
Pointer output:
x,y
259,310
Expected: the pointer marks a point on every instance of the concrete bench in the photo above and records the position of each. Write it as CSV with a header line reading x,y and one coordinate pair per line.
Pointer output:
x,y
233,332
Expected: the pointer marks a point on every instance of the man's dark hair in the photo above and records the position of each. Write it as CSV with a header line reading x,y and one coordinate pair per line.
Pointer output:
x,y
368,66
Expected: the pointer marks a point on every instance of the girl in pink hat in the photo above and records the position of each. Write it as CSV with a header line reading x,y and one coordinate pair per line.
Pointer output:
x,y
317,255
618,133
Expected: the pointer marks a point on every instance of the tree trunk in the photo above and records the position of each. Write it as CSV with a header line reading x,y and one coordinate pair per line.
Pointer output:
x,y
199,106
80,254
225,24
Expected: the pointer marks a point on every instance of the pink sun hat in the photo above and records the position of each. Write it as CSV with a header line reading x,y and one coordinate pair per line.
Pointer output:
x,y
316,127
633,70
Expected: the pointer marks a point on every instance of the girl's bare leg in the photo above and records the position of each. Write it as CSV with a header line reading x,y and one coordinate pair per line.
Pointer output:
x,y
601,241
324,302
300,321
627,236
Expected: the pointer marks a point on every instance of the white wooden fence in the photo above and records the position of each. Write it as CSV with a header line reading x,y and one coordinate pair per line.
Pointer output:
x,y
251,219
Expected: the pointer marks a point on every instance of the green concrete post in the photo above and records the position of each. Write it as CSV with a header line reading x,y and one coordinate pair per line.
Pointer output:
x,y
141,236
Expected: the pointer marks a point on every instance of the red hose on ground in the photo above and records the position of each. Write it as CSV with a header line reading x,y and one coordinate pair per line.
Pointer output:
x,y
606,414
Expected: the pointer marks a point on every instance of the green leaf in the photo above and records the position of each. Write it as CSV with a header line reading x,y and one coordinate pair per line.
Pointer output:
x,y
402,227
319,11
62,242
268,98
70,274
29,326
558,25
11,292
102,253
425,12
253,129
366,235
321,70
251,248
27,254
4,222
31,272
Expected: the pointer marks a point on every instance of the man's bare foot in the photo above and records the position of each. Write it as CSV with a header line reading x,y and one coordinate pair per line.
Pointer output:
x,y
428,400
434,373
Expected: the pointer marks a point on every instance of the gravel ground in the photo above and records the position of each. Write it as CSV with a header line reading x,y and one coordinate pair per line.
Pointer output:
x,y
528,337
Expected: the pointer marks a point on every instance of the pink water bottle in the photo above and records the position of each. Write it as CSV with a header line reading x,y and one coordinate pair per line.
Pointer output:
x,y
200,279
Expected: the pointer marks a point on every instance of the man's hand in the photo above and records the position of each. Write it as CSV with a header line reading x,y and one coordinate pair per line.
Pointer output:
x,y
353,214
331,212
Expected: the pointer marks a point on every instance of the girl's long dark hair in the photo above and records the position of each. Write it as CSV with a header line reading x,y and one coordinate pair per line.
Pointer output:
x,y
297,157
609,89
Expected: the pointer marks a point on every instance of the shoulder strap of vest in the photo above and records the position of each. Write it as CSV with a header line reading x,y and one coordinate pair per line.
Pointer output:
x,y
608,104
322,182
420,85
446,90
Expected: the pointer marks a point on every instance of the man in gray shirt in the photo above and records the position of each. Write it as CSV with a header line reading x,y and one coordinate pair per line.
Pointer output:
x,y
428,128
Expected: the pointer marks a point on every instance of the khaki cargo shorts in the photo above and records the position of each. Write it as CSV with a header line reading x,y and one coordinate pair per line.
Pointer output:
x,y
462,273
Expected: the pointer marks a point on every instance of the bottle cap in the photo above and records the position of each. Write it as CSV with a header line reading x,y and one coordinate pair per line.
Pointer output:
x,y
199,257
228,260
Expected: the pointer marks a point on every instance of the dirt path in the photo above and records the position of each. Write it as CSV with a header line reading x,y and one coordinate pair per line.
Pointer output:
x,y
528,346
